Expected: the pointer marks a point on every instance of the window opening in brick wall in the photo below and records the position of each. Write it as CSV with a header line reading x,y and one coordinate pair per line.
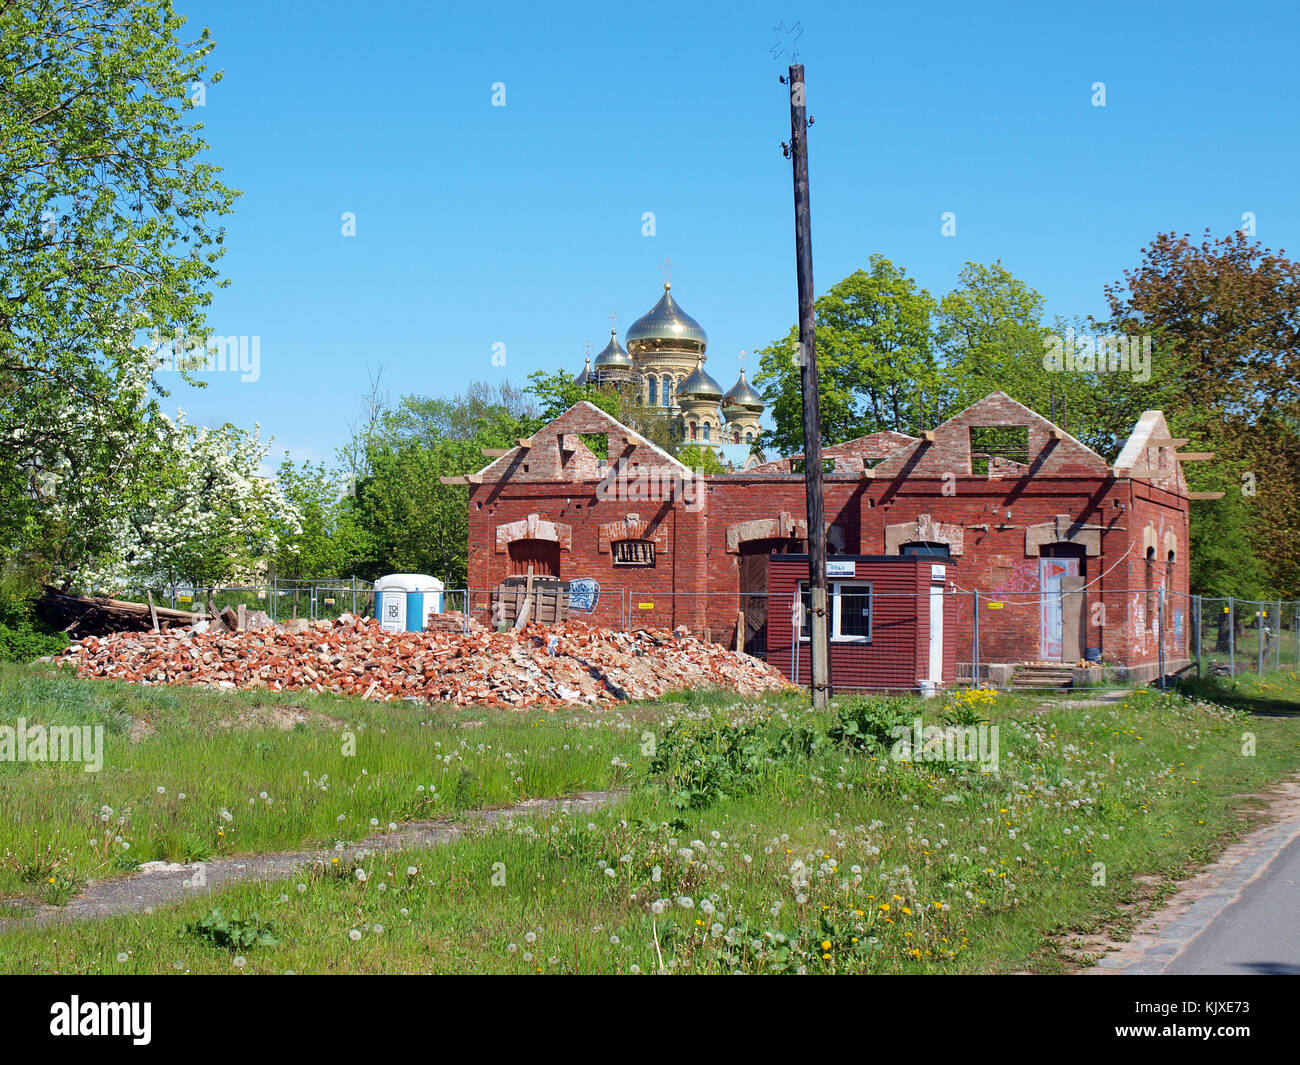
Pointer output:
x,y
634,553
924,547
989,442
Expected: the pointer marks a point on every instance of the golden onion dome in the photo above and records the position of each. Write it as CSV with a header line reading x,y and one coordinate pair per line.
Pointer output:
x,y
666,327
742,394
699,385
613,357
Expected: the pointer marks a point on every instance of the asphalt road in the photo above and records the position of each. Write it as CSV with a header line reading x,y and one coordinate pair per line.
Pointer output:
x,y
1259,933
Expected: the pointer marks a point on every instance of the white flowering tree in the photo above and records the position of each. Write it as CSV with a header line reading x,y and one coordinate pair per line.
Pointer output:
x,y
82,483
208,515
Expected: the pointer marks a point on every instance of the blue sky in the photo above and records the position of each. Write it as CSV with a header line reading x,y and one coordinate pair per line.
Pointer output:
x,y
522,225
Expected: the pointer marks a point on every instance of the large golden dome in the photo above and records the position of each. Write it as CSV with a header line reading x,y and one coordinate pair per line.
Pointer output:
x,y
666,327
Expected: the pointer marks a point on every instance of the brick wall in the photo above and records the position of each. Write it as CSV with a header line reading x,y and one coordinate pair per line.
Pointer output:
x,y
997,526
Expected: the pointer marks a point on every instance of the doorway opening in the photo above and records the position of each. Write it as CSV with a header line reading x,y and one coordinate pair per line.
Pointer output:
x,y
542,555
754,558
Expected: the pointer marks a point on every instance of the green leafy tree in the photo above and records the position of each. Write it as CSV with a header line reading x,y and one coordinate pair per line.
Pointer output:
x,y
989,331
1226,317
319,534
413,522
108,231
701,459
875,357
481,410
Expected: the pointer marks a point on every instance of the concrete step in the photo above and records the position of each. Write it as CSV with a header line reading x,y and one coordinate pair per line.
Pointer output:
x,y
1038,677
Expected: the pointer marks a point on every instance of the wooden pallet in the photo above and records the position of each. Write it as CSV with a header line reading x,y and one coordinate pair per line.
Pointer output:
x,y
520,601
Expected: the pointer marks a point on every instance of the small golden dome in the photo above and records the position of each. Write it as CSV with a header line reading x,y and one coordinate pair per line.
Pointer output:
x,y
742,394
700,385
613,357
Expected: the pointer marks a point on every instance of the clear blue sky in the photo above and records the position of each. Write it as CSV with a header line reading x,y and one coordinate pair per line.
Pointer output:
x,y
521,225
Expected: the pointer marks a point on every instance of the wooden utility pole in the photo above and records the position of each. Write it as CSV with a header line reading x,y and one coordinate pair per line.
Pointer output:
x,y
819,644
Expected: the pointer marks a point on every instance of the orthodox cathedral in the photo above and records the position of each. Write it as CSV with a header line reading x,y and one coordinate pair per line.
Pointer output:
x,y
663,364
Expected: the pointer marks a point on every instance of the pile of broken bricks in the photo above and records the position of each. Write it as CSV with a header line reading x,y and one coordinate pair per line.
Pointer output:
x,y
552,665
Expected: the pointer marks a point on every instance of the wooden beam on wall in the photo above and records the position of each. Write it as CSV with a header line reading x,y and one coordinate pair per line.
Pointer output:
x,y
1204,495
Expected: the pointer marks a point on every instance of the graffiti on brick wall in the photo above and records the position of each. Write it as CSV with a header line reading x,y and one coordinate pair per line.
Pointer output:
x,y
584,593
1006,576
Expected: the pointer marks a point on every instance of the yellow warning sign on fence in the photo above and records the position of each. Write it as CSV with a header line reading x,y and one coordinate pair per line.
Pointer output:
x,y
996,606
184,599
645,606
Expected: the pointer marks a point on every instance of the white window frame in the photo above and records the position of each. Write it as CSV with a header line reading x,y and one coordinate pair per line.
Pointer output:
x,y
833,591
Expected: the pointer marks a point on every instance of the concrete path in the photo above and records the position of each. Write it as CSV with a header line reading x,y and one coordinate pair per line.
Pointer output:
x,y
141,892
1241,916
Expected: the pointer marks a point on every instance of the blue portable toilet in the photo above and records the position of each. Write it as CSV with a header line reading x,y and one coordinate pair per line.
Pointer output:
x,y
404,601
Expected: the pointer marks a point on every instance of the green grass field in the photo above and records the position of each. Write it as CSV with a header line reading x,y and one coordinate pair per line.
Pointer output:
x,y
753,836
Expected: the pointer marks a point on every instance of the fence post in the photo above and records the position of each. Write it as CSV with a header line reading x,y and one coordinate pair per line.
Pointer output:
x,y
1277,657
1160,633
1232,637
1259,639
1199,604
975,639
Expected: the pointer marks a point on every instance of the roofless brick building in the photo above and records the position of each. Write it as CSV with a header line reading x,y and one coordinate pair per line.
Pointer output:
x,y
996,519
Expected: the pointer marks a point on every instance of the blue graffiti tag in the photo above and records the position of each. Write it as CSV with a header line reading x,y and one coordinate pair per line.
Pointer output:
x,y
583,594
